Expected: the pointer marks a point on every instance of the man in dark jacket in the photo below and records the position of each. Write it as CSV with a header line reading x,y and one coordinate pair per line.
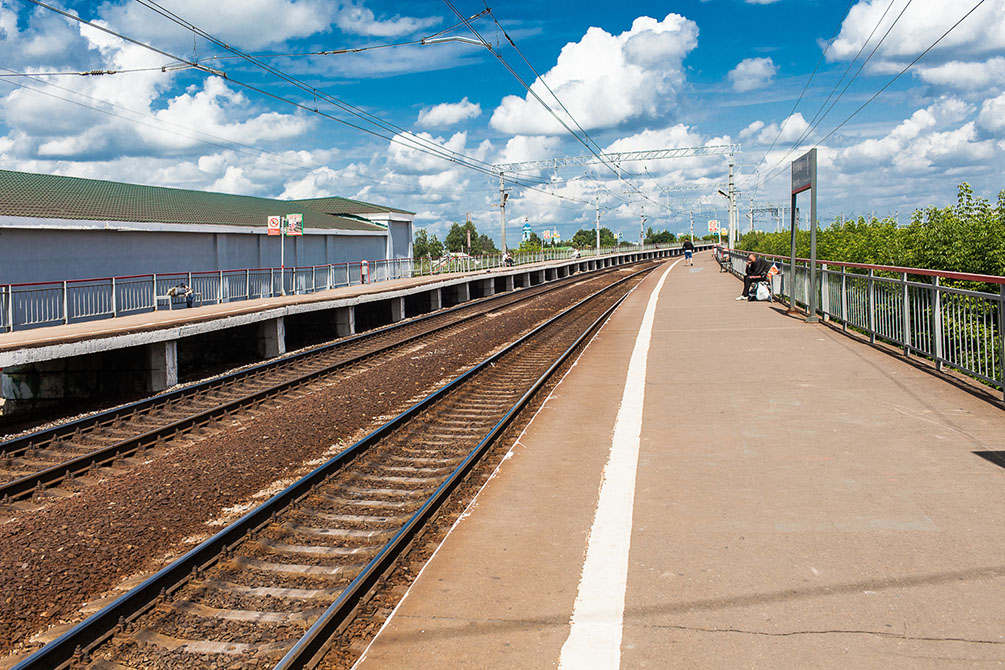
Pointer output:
x,y
688,251
757,270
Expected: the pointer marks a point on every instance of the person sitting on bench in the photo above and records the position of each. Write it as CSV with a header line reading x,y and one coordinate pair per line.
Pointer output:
x,y
757,270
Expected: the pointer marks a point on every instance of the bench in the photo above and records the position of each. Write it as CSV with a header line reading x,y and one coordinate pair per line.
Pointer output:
x,y
725,263
178,299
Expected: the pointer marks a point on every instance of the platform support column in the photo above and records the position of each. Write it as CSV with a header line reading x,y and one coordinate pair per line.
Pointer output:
x,y
397,309
435,300
272,338
463,292
163,363
345,321
509,283
488,287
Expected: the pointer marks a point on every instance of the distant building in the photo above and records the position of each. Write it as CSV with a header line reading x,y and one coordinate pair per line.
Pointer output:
x,y
56,228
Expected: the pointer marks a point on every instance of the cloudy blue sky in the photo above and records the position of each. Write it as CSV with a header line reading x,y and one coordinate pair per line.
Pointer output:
x,y
419,126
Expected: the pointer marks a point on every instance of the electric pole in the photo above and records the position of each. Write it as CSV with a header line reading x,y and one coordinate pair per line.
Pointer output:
x,y
502,209
598,224
731,194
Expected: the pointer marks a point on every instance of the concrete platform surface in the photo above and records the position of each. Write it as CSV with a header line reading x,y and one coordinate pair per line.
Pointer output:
x,y
789,498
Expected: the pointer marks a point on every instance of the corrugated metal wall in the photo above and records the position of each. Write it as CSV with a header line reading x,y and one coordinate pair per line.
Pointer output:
x,y
56,255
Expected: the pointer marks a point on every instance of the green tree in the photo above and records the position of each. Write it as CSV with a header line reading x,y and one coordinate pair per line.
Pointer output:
x,y
661,237
457,237
586,238
966,237
423,245
485,245
531,244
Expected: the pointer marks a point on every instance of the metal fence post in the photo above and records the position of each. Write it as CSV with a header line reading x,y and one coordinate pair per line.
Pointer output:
x,y
872,308
66,316
154,292
221,287
937,324
115,309
272,282
825,294
844,299
247,284
1001,339
10,308
906,293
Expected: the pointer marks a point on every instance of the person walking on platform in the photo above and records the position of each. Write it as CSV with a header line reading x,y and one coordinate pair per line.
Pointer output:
x,y
756,270
688,251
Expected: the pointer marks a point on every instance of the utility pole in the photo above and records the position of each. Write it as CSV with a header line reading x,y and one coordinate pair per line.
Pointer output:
x,y
692,225
642,227
598,224
731,194
502,209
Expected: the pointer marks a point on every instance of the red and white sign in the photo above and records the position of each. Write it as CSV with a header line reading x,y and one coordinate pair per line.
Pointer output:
x,y
294,224
713,226
275,225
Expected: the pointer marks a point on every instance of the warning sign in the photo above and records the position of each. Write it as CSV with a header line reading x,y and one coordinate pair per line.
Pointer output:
x,y
275,225
713,226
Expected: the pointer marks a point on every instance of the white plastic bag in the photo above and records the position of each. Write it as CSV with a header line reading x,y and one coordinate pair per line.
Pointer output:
x,y
763,292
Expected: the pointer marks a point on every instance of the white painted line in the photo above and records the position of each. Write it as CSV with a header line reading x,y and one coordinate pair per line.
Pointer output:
x,y
594,640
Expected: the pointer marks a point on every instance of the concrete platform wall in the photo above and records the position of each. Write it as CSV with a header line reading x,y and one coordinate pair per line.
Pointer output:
x,y
114,362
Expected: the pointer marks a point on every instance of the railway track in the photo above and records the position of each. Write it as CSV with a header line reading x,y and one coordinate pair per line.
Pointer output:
x,y
271,589
34,463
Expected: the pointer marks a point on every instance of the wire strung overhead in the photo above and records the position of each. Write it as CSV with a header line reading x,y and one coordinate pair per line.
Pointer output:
x,y
391,132
778,168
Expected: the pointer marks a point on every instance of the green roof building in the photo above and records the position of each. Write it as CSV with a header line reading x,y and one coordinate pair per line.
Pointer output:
x,y
55,228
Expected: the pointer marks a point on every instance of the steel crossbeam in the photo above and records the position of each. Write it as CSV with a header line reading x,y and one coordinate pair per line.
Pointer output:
x,y
621,157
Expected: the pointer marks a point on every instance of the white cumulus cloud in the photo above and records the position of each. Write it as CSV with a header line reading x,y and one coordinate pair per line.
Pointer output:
x,y
992,115
751,73
605,80
448,114
791,129
922,23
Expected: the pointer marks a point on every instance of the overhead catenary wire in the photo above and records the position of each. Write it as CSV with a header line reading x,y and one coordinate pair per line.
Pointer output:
x,y
414,140
806,86
815,121
899,74
222,143
400,136
534,94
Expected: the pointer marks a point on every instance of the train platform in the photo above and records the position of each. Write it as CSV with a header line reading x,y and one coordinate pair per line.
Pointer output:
x,y
181,316
716,484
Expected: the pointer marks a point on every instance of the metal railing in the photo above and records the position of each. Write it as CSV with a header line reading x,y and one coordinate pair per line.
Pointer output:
x,y
954,319
60,302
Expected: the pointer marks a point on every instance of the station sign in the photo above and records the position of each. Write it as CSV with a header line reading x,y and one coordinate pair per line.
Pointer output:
x,y
274,225
804,172
294,224
713,226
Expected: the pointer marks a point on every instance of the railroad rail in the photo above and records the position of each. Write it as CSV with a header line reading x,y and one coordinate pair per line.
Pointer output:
x,y
311,555
33,463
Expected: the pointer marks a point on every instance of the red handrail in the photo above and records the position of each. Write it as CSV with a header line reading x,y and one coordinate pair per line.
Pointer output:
x,y
946,274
